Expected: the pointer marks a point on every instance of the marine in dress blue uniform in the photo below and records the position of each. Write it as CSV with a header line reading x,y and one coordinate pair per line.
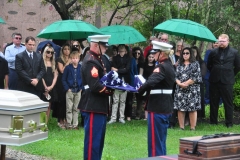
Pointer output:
x,y
94,100
160,102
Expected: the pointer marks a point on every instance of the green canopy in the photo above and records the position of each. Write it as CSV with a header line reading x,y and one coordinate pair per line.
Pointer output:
x,y
121,34
1,20
186,29
69,30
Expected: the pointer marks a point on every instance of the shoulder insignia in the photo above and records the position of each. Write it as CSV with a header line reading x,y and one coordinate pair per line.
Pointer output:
x,y
94,72
156,70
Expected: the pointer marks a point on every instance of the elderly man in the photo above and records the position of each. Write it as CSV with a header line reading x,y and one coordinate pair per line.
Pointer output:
x,y
160,102
223,64
163,38
94,101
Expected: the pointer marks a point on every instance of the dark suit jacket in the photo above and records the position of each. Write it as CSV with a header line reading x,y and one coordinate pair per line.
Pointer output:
x,y
123,65
223,71
28,69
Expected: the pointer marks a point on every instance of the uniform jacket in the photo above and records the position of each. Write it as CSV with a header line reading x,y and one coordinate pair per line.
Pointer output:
x,y
107,63
223,71
94,99
28,69
68,77
163,77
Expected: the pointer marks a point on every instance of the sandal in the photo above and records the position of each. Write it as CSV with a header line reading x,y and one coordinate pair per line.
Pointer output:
x,y
62,126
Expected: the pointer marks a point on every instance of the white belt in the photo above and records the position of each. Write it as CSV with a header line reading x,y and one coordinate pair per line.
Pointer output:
x,y
86,86
161,91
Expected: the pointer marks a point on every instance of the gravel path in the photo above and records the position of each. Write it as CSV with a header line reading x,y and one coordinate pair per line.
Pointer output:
x,y
19,155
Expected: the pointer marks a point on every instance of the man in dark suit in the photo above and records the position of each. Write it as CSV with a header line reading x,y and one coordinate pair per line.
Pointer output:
x,y
30,68
223,64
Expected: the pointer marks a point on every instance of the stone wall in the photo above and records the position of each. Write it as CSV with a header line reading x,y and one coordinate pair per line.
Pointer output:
x,y
30,17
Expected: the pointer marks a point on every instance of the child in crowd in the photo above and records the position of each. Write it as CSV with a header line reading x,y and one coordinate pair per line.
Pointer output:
x,y
72,83
120,64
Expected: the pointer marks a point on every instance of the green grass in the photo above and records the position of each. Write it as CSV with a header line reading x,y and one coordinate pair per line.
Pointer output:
x,y
122,142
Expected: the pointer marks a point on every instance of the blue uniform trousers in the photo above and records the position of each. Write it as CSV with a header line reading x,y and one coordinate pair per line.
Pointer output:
x,y
157,133
94,128
13,79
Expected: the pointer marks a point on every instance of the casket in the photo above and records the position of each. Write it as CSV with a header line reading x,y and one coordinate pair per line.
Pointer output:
x,y
22,118
223,148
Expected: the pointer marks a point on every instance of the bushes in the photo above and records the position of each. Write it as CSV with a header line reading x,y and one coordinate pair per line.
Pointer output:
x,y
236,92
221,112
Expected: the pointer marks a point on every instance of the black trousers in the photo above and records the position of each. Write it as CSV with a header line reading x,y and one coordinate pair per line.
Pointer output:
x,y
173,119
128,107
225,91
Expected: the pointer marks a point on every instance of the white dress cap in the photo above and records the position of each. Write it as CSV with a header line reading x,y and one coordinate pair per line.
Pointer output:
x,y
161,46
99,38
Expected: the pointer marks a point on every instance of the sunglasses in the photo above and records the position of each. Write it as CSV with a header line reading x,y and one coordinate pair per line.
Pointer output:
x,y
18,38
137,53
186,53
49,52
75,45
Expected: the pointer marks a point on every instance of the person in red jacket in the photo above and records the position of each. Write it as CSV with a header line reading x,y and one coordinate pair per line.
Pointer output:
x,y
149,47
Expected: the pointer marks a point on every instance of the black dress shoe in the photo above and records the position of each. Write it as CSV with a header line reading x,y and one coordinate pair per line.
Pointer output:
x,y
229,125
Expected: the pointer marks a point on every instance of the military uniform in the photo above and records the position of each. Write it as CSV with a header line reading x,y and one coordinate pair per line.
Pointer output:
x,y
159,105
93,106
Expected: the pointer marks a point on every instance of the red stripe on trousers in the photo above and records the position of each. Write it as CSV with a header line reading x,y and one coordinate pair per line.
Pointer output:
x,y
90,137
153,134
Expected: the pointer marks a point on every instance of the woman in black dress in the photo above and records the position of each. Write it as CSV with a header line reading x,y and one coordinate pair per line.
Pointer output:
x,y
50,78
148,68
62,62
138,55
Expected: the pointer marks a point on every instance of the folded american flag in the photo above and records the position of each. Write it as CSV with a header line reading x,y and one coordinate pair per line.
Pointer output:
x,y
112,80
138,81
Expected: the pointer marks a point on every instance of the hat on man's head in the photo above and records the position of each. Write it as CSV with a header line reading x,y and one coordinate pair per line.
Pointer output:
x,y
160,46
102,39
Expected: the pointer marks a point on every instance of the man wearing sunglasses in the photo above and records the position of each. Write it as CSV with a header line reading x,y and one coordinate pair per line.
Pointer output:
x,y
223,64
30,68
160,102
10,54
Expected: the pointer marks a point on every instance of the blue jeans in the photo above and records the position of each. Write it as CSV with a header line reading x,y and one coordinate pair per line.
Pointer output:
x,y
157,133
13,79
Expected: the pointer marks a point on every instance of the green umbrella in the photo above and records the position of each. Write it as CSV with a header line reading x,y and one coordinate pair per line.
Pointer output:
x,y
68,30
1,20
187,29
122,34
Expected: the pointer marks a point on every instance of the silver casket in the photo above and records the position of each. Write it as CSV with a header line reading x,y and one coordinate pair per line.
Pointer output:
x,y
22,118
